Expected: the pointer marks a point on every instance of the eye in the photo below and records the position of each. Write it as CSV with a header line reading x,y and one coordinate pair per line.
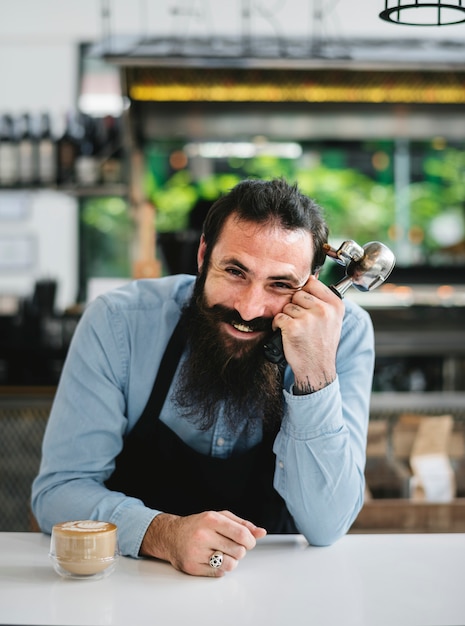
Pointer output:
x,y
280,286
234,271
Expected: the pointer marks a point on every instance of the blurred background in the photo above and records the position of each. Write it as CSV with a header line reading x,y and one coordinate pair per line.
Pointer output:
x,y
121,122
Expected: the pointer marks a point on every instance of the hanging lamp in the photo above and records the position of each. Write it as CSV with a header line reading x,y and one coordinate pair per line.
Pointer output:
x,y
424,12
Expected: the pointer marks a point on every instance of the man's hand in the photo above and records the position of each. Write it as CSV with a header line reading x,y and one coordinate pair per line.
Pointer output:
x,y
311,328
188,542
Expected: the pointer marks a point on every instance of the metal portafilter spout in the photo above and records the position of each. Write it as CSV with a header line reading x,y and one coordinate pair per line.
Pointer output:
x,y
367,267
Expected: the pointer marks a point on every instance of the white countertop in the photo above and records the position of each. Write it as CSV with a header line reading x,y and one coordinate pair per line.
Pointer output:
x,y
371,580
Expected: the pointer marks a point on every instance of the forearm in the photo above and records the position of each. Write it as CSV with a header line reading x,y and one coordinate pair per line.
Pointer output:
x,y
321,447
317,472
320,459
321,484
159,536
86,499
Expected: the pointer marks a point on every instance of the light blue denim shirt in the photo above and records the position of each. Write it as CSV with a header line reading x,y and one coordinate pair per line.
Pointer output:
x,y
106,381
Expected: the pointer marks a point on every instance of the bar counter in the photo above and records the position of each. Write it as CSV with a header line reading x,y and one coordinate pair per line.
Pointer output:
x,y
372,580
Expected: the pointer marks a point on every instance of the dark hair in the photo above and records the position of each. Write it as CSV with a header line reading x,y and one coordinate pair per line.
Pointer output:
x,y
263,201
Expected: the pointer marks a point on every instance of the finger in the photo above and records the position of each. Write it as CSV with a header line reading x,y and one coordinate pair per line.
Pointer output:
x,y
228,565
257,531
316,288
213,573
244,539
243,522
295,310
303,299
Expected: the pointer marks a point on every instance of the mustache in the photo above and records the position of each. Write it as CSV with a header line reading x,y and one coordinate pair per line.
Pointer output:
x,y
221,313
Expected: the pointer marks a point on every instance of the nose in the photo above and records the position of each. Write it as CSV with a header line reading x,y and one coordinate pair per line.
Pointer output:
x,y
253,301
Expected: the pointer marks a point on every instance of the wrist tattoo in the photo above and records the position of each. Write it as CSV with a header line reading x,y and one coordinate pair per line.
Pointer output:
x,y
304,388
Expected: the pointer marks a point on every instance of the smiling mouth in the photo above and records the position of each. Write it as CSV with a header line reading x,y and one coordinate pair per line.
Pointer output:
x,y
242,328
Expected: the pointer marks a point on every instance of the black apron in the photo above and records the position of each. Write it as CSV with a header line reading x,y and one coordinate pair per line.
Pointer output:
x,y
156,466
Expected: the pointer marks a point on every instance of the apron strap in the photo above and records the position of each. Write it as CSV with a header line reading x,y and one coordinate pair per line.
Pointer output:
x,y
165,375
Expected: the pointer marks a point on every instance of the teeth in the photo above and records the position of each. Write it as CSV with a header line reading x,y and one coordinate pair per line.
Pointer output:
x,y
243,328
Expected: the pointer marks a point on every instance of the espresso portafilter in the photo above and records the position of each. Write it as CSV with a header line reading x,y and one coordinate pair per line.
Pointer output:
x,y
367,267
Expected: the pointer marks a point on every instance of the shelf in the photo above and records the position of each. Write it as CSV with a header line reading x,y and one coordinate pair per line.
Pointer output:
x,y
78,191
98,191
433,402
401,343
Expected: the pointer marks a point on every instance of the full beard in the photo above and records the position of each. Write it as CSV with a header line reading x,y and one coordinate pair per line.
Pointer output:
x,y
224,373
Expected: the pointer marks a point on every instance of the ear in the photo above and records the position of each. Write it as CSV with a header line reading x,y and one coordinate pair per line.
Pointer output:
x,y
201,253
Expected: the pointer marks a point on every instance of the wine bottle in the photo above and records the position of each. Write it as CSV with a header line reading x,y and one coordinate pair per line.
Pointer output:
x,y
112,154
27,152
87,165
67,148
47,153
8,153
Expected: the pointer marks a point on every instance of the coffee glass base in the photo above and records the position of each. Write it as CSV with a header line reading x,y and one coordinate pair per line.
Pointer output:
x,y
85,569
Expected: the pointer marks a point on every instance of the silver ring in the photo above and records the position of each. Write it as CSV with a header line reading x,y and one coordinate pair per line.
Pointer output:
x,y
216,559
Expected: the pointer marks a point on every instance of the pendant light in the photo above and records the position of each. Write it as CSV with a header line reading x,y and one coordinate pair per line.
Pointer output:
x,y
424,12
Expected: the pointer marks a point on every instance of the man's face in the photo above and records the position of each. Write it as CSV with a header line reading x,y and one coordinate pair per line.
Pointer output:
x,y
254,271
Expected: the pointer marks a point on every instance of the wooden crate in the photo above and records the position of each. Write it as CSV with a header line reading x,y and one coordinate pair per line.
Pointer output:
x,y
405,516
391,505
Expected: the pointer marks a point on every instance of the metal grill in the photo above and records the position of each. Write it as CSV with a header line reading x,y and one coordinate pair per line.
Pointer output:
x,y
22,425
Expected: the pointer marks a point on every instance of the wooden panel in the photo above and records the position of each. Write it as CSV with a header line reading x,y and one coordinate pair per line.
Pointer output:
x,y
402,515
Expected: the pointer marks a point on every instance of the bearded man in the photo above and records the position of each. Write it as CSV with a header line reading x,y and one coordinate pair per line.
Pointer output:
x,y
225,445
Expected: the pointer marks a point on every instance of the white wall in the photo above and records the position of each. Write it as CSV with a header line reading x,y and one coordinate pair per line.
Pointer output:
x,y
39,68
38,240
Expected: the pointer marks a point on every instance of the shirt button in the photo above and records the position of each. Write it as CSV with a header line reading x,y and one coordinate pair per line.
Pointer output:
x,y
281,464
220,441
